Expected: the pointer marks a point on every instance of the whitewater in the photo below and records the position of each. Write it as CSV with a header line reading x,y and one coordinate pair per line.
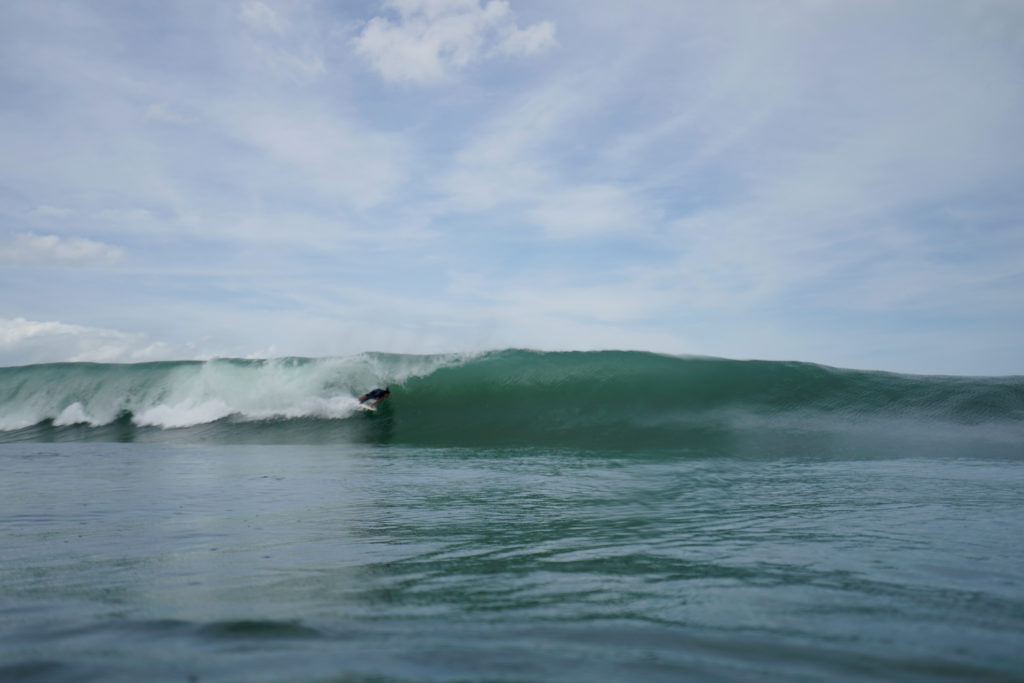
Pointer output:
x,y
187,393
506,516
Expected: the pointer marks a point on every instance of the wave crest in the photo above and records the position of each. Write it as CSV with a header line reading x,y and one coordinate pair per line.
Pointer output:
x,y
606,398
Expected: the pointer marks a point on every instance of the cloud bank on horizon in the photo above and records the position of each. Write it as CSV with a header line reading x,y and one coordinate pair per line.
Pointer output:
x,y
832,182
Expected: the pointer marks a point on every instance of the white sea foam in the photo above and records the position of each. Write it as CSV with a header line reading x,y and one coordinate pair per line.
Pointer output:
x,y
73,414
173,395
183,414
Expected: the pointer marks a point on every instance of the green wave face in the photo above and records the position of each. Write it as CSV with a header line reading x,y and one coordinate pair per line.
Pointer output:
x,y
514,397
632,399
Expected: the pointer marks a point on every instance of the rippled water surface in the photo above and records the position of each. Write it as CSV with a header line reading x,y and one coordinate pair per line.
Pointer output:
x,y
796,558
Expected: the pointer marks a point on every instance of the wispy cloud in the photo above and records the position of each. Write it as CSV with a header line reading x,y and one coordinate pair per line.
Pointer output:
x,y
163,113
29,249
430,38
304,148
510,156
284,38
592,210
261,17
53,211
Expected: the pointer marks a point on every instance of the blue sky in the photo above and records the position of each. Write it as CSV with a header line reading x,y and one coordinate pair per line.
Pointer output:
x,y
837,182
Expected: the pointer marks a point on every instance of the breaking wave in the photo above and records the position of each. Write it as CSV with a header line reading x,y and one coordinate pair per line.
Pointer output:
x,y
511,397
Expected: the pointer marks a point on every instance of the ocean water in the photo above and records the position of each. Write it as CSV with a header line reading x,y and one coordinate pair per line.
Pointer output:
x,y
509,516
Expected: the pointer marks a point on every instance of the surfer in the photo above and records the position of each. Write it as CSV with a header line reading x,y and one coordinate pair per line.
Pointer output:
x,y
376,396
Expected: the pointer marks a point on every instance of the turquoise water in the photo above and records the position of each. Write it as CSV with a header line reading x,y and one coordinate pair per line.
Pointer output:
x,y
714,521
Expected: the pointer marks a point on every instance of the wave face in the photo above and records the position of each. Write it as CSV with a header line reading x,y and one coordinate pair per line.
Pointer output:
x,y
513,397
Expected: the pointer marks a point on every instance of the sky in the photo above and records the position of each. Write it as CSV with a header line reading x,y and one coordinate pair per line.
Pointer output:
x,y
833,181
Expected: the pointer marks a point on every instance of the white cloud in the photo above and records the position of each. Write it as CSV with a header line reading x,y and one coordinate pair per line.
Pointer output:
x,y
29,249
28,341
433,37
527,41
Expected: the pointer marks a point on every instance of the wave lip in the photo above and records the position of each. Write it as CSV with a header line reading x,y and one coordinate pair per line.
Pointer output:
x,y
496,398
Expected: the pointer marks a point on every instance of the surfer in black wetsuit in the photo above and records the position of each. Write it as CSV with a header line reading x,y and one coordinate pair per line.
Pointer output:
x,y
377,395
